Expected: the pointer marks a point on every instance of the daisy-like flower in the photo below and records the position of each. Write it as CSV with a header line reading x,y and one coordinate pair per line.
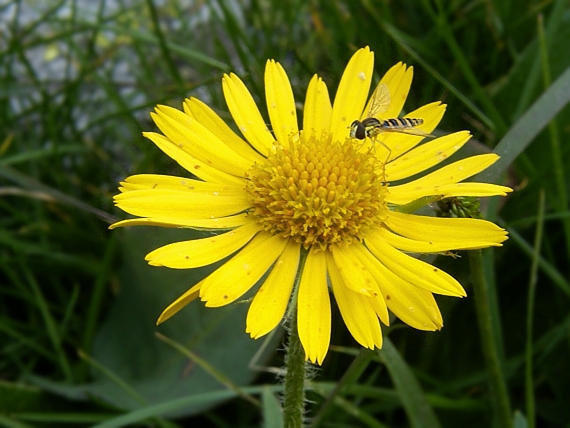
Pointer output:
x,y
278,199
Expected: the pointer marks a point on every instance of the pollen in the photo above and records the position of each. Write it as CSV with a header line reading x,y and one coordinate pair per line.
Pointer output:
x,y
318,192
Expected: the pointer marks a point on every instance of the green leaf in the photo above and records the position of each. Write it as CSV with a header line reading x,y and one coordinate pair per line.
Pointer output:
x,y
420,414
7,422
519,421
272,412
529,126
176,406
133,368
184,51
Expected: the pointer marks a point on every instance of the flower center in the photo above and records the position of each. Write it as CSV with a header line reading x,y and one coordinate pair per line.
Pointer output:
x,y
318,191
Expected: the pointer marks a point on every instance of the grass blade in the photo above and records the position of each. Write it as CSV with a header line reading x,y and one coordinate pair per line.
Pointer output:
x,y
419,412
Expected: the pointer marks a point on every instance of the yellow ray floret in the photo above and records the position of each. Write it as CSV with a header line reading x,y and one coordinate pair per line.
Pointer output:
x,y
445,182
202,252
398,79
424,247
270,302
353,271
453,173
376,296
179,303
402,196
359,317
191,136
425,156
413,305
280,102
352,93
191,163
230,222
431,114
242,271
318,109
246,114
413,270
209,119
181,204
171,182
457,233
314,308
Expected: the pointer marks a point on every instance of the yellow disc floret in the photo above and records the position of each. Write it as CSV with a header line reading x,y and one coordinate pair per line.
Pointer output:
x,y
317,191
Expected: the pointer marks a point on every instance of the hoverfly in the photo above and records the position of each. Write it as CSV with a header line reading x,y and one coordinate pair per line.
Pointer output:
x,y
371,126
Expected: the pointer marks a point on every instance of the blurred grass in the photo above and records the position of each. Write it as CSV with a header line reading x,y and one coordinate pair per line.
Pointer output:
x,y
77,81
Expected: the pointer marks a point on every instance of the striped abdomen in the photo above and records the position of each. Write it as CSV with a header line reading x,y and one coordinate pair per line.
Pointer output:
x,y
401,123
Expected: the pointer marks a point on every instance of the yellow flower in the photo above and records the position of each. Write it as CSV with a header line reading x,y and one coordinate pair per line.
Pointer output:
x,y
314,195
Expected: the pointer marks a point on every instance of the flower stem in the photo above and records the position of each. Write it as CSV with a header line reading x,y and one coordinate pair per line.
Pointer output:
x,y
294,389
485,315
294,383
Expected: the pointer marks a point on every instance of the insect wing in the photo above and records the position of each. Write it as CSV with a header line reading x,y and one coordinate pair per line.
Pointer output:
x,y
409,131
380,100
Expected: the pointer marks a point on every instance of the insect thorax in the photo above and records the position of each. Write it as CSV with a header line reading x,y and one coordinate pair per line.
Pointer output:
x,y
372,126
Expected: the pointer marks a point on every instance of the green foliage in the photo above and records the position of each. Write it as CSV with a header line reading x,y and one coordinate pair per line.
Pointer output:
x,y
78,304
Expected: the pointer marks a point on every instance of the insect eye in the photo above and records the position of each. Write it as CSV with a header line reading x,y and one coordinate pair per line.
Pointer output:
x,y
360,132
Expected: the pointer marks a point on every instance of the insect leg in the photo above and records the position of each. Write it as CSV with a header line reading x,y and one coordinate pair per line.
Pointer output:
x,y
373,149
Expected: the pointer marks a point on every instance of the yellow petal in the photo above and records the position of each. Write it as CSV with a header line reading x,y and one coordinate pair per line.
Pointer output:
x,y
197,140
353,272
413,305
230,222
191,163
398,79
246,114
358,315
455,233
455,172
241,272
400,143
413,270
174,204
402,196
314,308
280,102
416,307
179,303
318,109
202,252
431,113
376,297
270,302
414,246
435,183
425,156
352,93
171,182
207,117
